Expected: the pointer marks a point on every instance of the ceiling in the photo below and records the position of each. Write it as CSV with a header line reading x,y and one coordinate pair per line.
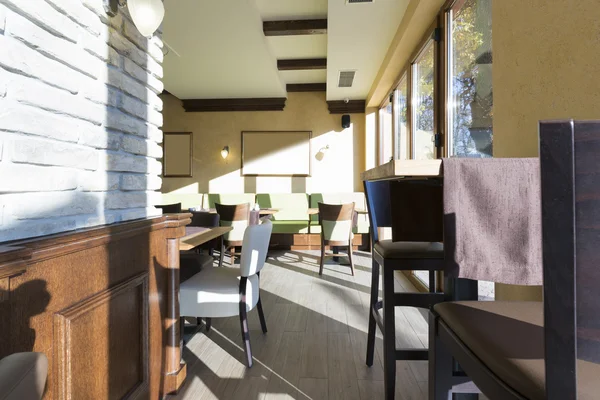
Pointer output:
x,y
217,49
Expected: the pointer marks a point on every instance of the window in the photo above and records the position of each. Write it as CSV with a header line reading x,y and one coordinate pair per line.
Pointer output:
x,y
470,96
386,133
423,105
401,116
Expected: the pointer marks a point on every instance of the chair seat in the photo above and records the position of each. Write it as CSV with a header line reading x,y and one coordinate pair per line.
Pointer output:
x,y
409,250
508,337
214,292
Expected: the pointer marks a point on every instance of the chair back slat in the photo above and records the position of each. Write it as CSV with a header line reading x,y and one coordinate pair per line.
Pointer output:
x,y
377,194
336,221
254,248
570,179
236,216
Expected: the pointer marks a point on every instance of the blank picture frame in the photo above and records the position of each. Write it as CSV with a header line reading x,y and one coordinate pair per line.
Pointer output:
x,y
177,154
276,153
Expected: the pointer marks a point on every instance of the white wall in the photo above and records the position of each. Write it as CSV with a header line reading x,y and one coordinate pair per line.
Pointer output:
x,y
80,117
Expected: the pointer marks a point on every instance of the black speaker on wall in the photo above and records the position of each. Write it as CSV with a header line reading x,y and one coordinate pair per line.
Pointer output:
x,y
345,121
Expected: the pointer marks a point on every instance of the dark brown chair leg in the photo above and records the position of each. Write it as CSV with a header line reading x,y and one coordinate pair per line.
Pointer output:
x,y
222,252
261,316
244,322
440,365
350,258
208,322
322,258
372,322
389,334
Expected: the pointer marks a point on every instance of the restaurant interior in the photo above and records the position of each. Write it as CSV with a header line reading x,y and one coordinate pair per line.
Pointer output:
x,y
312,200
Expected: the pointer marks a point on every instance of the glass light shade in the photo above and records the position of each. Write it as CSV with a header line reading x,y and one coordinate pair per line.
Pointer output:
x,y
225,152
147,15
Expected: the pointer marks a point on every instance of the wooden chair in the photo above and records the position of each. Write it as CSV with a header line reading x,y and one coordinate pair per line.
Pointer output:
x,y
424,255
535,350
225,292
238,217
336,222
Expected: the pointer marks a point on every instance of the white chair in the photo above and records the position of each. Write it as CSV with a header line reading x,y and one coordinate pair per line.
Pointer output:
x,y
225,292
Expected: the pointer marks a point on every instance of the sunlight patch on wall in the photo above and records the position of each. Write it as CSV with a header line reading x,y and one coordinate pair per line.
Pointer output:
x,y
232,182
192,188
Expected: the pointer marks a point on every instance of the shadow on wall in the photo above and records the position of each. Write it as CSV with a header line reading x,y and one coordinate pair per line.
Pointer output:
x,y
333,169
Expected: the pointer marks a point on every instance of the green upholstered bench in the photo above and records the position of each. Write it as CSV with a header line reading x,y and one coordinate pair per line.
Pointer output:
x,y
340,198
229,199
292,216
187,200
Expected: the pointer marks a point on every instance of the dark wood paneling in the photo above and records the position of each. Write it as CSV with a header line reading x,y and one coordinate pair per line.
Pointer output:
x,y
302,64
87,333
249,104
306,87
94,299
343,107
295,27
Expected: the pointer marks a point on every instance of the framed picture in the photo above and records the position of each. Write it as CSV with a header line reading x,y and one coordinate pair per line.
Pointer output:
x,y
276,153
177,154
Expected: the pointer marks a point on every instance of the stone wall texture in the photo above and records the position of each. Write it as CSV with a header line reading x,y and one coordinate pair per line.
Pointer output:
x,y
80,117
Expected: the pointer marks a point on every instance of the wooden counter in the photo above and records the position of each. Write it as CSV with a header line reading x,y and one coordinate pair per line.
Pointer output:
x,y
404,168
101,304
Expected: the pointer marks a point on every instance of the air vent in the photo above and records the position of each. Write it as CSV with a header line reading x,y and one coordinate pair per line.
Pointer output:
x,y
358,1
346,78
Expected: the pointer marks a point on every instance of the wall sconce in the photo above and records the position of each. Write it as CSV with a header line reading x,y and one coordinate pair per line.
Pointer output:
x,y
321,154
225,152
147,15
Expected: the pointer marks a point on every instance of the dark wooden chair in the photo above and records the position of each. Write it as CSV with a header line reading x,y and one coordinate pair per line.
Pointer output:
x,y
535,350
426,255
174,208
336,222
207,220
238,217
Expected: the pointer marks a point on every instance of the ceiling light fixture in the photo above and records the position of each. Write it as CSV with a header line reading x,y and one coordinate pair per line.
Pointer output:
x,y
147,15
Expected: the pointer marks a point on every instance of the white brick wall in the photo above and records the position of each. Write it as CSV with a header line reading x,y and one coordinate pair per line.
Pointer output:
x,y
80,117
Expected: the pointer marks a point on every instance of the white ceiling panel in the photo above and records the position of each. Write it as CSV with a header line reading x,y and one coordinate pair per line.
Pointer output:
x,y
301,46
219,51
308,76
276,10
359,36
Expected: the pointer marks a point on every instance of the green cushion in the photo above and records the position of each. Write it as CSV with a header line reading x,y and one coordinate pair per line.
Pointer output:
x,y
291,206
187,200
290,226
340,198
229,199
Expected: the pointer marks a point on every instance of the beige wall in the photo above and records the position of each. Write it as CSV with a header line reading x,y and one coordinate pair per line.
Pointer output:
x,y
336,170
546,66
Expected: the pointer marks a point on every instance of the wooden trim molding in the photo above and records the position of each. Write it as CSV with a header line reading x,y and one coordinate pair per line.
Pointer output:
x,y
302,64
351,107
306,87
248,104
295,27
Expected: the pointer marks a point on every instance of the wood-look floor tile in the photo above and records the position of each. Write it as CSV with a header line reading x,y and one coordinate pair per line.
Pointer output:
x,y
313,389
371,390
343,383
314,355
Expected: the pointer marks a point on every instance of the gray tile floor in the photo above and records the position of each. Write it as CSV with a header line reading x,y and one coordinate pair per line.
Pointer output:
x,y
315,347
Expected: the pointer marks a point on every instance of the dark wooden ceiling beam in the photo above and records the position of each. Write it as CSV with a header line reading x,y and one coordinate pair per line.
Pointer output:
x,y
306,87
296,27
302,64
249,104
351,107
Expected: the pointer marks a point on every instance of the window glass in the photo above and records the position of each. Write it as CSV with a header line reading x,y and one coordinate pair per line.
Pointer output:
x,y
386,133
401,134
470,79
423,104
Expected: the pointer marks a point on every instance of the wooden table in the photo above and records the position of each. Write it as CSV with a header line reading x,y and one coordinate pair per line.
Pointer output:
x,y
195,236
404,169
315,211
265,211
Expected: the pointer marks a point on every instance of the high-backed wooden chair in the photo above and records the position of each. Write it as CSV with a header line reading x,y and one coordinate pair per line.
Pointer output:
x,y
336,222
174,208
238,217
535,350
418,207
